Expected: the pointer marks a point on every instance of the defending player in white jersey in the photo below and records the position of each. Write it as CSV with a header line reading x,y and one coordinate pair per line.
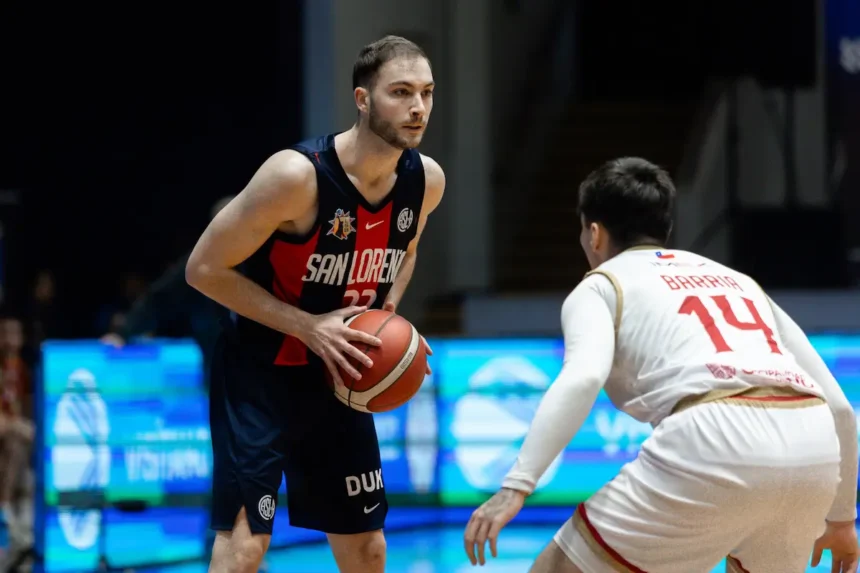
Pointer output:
x,y
754,449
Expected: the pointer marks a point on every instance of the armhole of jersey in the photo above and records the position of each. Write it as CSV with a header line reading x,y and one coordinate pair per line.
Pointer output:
x,y
313,158
421,176
619,295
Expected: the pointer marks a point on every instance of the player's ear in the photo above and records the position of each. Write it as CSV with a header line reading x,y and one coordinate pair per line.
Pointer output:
x,y
597,236
362,97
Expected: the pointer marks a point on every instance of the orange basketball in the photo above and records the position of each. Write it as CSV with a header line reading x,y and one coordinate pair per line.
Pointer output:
x,y
399,364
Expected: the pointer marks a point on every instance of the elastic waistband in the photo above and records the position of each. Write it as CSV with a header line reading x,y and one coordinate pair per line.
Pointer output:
x,y
756,397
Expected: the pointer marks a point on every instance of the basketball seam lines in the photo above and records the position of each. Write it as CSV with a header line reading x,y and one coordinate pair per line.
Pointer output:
x,y
366,348
398,364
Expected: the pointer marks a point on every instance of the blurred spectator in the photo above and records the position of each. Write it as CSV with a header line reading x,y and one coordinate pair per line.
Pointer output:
x,y
111,317
171,308
16,438
15,399
43,312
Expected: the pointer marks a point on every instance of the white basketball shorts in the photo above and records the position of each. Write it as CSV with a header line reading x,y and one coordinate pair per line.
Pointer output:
x,y
750,478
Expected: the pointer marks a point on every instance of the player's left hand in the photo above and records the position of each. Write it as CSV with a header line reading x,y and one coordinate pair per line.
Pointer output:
x,y
488,520
392,307
841,539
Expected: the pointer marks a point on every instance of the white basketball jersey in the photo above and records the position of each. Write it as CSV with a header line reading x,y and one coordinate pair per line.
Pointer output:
x,y
687,325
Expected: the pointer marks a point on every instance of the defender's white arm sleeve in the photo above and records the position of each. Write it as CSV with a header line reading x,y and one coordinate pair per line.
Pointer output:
x,y
589,348
845,505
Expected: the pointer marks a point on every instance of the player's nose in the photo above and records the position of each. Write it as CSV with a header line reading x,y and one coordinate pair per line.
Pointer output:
x,y
418,108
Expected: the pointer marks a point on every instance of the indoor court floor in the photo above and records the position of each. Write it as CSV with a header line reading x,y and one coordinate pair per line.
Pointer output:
x,y
424,551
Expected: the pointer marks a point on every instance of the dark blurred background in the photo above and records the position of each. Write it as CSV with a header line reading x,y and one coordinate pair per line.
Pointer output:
x,y
122,127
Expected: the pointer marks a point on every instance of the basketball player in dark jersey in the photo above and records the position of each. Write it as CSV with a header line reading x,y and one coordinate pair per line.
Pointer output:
x,y
323,231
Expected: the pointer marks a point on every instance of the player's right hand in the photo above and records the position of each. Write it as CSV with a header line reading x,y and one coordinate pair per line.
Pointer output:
x,y
330,339
841,539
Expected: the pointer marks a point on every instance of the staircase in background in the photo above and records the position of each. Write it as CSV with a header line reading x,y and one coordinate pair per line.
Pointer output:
x,y
545,254
549,31
585,103
637,83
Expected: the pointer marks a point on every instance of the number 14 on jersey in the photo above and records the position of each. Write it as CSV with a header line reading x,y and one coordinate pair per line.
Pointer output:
x,y
695,306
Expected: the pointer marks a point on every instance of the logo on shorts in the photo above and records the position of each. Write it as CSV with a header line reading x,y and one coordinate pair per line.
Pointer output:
x,y
266,507
341,224
368,482
404,219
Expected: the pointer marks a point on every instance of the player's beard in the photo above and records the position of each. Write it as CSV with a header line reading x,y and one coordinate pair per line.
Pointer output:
x,y
386,131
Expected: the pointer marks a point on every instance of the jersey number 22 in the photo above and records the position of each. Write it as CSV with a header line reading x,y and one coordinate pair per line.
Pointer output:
x,y
364,298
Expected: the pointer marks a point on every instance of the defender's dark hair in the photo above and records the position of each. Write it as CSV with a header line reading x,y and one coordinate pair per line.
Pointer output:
x,y
633,198
374,56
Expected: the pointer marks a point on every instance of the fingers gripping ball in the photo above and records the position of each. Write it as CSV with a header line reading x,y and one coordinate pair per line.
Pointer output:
x,y
399,364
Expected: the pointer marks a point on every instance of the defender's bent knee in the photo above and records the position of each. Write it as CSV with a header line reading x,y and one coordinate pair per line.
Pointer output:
x,y
359,553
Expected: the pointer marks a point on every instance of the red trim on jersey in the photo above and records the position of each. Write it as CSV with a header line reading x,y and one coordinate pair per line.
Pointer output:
x,y
371,240
737,563
289,261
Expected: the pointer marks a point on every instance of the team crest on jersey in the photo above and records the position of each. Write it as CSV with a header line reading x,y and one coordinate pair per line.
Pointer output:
x,y
341,224
404,220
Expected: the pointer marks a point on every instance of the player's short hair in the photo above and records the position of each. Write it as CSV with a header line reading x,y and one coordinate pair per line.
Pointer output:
x,y
633,198
374,56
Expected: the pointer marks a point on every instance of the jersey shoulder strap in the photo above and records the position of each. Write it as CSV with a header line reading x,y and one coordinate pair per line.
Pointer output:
x,y
619,294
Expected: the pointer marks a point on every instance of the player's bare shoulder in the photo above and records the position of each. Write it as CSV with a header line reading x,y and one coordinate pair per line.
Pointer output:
x,y
287,181
282,192
434,182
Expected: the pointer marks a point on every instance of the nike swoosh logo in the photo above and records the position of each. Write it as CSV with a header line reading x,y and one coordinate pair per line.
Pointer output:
x,y
368,226
368,510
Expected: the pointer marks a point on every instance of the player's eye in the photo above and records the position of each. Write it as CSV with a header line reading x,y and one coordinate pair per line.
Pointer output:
x,y
428,93
401,92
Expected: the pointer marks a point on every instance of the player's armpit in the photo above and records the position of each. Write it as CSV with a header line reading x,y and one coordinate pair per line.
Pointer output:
x,y
589,338
283,189
434,188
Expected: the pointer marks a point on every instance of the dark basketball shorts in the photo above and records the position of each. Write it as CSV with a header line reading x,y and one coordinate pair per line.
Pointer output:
x,y
268,421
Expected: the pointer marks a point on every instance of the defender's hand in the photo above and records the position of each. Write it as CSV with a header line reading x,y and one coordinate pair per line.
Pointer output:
x,y
488,520
841,539
329,338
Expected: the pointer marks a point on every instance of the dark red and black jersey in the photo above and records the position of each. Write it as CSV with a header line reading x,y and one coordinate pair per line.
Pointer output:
x,y
350,256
